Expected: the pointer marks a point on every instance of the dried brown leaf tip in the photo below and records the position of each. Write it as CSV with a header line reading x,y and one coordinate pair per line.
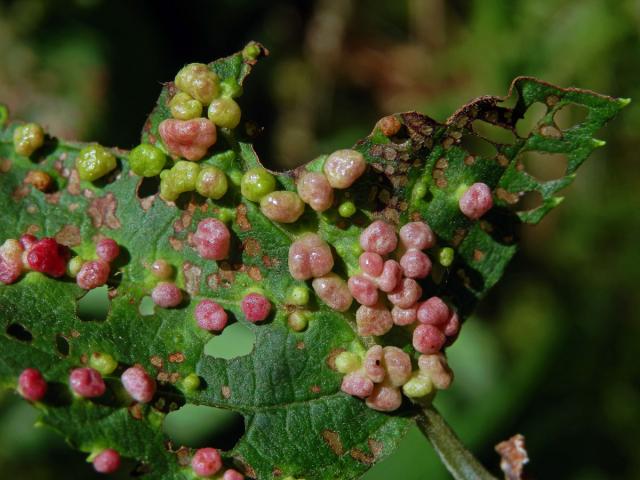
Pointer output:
x,y
513,457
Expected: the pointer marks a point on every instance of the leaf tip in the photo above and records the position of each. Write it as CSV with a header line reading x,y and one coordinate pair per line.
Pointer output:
x,y
623,102
598,143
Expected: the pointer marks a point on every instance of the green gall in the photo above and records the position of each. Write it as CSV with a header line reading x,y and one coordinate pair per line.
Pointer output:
x,y
298,296
167,192
28,138
256,183
198,81
347,362
417,386
298,320
445,256
226,215
147,160
211,182
419,191
347,209
236,177
224,112
282,206
230,88
74,266
191,382
251,51
103,363
94,161
183,107
184,175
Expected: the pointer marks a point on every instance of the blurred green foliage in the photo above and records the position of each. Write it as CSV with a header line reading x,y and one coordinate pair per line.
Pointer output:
x,y
551,352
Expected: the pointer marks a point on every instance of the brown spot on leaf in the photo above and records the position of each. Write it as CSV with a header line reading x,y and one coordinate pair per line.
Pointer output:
x,y
32,229
135,411
20,192
375,446
146,202
52,198
177,357
505,196
513,457
300,345
39,179
5,165
69,235
173,378
469,160
102,211
276,472
184,221
362,457
226,391
241,218
331,359
254,273
502,160
552,100
184,458
315,389
73,186
478,255
251,247
333,440
192,274
176,244
32,209
441,183
156,361
550,131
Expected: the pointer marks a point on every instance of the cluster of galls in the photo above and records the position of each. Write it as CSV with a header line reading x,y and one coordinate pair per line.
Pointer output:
x,y
88,382
49,257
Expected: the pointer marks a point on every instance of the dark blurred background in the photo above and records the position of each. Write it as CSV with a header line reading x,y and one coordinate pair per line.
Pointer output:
x,y
552,351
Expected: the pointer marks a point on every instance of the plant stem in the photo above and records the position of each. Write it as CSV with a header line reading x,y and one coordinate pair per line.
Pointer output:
x,y
459,461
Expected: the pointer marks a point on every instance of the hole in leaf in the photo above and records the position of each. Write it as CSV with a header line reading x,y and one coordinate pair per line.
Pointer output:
x,y
148,186
532,116
236,340
94,306
529,201
570,115
199,426
62,345
544,166
493,133
146,307
18,332
478,147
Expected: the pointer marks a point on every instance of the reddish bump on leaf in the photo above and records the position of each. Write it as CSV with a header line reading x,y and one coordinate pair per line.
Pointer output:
x,y
11,265
363,290
343,167
357,384
93,274
27,240
433,312
371,264
476,201
417,235
210,316
314,189
406,293
189,139
206,462
385,398
166,295
375,320
333,291
453,325
138,384
107,461
428,339
379,237
49,257
107,249
309,257
255,307
415,264
232,474
404,316
87,382
397,364
32,385
212,239
390,276
435,366
372,364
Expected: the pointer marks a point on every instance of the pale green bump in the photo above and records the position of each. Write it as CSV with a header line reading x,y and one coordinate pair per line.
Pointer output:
x,y
184,176
347,362
211,182
74,266
419,191
28,138
251,51
191,382
167,192
184,107
236,177
347,209
256,183
298,320
103,363
147,160
298,296
445,256
94,161
199,81
230,88
598,143
226,215
623,102
224,112
460,191
418,386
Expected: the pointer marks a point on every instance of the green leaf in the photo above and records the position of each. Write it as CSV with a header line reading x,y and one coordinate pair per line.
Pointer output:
x,y
298,422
